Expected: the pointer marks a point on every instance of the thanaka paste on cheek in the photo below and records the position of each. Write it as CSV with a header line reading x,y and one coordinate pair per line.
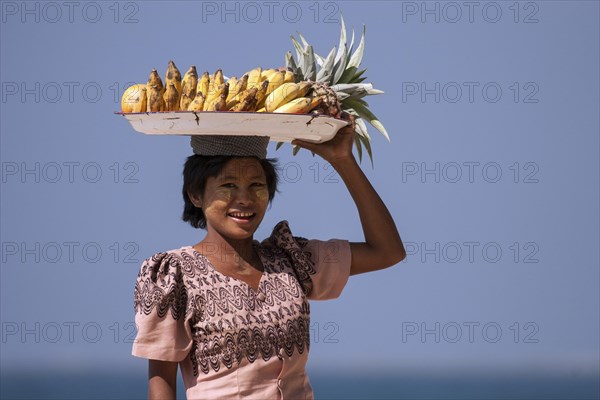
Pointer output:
x,y
223,194
262,194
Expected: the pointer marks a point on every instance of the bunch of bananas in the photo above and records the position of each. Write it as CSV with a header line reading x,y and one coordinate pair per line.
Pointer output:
x,y
258,90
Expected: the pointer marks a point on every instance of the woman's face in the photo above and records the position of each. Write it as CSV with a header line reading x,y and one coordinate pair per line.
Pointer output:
x,y
234,202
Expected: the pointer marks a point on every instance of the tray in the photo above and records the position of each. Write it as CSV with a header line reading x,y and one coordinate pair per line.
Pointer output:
x,y
279,127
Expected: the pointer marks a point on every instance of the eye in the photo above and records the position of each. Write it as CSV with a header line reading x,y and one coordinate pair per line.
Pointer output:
x,y
228,185
259,184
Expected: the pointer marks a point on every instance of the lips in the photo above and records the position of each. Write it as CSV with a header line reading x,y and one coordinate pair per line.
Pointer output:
x,y
243,216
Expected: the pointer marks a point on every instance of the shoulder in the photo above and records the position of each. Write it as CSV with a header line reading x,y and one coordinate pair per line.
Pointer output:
x,y
283,244
173,254
282,238
163,283
171,262
322,267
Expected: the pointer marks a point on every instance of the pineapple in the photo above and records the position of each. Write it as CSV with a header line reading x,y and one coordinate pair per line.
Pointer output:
x,y
338,81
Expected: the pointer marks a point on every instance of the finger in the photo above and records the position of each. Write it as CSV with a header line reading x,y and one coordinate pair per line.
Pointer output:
x,y
349,117
352,120
347,130
303,144
350,127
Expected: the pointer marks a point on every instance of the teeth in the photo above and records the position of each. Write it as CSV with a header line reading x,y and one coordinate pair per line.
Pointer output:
x,y
241,215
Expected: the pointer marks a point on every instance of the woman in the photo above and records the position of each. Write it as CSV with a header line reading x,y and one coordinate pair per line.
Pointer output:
x,y
233,312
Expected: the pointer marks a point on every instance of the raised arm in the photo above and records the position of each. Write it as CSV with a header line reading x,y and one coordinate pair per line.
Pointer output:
x,y
382,247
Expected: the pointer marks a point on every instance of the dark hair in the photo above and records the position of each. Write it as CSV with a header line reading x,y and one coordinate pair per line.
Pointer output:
x,y
197,169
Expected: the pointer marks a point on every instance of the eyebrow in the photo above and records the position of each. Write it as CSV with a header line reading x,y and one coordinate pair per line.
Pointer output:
x,y
233,178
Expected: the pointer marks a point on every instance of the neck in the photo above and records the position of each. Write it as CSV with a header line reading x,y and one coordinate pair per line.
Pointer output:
x,y
227,251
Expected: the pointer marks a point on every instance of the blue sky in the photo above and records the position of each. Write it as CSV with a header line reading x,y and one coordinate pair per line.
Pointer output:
x,y
492,176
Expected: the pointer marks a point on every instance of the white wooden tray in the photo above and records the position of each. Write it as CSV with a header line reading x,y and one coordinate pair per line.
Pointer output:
x,y
278,126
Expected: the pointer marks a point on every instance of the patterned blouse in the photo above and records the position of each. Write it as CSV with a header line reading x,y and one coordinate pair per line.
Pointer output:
x,y
231,341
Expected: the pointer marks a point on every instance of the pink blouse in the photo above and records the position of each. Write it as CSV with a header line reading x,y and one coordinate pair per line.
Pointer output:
x,y
232,342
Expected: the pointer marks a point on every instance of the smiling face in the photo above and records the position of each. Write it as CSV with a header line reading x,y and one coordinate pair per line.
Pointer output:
x,y
235,201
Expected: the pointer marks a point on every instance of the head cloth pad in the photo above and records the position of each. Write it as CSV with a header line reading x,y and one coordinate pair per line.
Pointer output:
x,y
227,145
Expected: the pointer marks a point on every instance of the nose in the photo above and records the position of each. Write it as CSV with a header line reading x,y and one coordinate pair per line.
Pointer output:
x,y
243,196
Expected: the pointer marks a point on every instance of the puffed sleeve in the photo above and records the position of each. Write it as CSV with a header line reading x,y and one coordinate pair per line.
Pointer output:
x,y
161,310
322,267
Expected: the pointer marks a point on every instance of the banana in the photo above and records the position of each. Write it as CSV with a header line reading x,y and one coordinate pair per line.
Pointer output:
x,y
241,96
155,102
285,93
232,82
304,87
154,80
279,96
267,73
197,104
289,77
262,94
134,99
236,99
262,110
301,105
296,106
203,84
218,78
154,93
171,98
218,104
247,102
254,77
315,102
188,88
239,87
216,94
173,75
275,80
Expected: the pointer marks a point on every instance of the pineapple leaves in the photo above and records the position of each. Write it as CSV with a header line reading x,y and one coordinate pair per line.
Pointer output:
x,y
326,71
339,74
356,90
304,42
342,96
340,65
347,76
358,78
363,136
361,128
320,60
278,145
365,113
299,52
357,143
341,57
342,43
307,60
309,65
358,54
290,63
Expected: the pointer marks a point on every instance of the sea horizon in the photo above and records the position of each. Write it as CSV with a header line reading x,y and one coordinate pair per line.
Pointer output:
x,y
104,384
